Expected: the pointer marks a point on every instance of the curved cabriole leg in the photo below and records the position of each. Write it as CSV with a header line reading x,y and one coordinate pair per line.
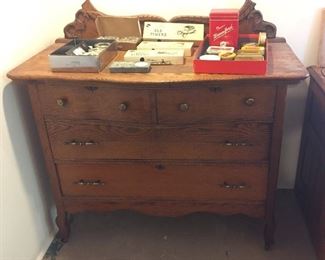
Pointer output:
x,y
63,225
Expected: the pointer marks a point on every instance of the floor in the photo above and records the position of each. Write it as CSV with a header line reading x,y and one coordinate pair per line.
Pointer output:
x,y
133,236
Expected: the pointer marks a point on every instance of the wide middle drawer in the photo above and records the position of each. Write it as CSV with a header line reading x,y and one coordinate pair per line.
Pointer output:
x,y
167,181
79,140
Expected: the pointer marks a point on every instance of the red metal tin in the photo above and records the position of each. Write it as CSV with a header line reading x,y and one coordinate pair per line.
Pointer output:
x,y
224,26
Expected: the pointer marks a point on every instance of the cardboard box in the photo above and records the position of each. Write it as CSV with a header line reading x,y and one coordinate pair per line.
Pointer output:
x,y
243,67
61,59
156,57
173,31
154,45
125,30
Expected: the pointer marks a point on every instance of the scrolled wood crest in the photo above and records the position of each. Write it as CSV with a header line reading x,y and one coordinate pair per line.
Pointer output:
x,y
250,21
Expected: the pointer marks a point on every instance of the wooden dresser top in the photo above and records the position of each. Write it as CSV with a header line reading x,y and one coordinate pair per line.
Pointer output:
x,y
283,65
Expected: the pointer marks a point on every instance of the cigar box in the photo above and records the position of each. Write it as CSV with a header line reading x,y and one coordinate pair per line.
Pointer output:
x,y
173,31
125,30
154,45
66,58
156,57
242,67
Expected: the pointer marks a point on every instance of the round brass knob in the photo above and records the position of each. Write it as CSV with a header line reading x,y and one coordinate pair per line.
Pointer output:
x,y
61,102
250,101
184,107
123,107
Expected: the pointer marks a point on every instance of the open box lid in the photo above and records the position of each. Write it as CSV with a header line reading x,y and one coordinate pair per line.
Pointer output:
x,y
118,26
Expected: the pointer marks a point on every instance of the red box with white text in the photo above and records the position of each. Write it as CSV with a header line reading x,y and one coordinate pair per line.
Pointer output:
x,y
224,27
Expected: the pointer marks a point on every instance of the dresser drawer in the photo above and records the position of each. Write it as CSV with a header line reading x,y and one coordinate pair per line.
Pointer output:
x,y
86,102
71,140
222,182
216,103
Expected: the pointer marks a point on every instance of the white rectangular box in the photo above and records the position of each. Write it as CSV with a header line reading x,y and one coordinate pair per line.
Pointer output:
x,y
154,45
173,31
156,56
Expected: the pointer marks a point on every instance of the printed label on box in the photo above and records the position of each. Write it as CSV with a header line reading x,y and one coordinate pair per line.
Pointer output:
x,y
173,31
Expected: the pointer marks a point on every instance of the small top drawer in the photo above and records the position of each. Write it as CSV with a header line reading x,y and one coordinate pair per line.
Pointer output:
x,y
92,102
216,103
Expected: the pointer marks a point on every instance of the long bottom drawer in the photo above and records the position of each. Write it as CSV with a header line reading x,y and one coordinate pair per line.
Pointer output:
x,y
166,181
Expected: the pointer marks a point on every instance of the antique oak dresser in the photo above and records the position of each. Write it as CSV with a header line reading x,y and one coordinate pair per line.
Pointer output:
x,y
311,168
169,142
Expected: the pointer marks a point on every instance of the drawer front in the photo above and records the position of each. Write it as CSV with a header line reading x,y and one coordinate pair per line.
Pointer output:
x,y
216,103
222,182
71,140
84,102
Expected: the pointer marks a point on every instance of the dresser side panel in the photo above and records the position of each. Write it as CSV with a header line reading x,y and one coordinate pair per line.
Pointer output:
x,y
50,166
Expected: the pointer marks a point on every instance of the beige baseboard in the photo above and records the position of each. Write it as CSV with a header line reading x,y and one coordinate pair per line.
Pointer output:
x,y
46,245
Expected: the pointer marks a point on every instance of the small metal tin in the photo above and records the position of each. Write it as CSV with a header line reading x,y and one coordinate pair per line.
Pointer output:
x,y
64,60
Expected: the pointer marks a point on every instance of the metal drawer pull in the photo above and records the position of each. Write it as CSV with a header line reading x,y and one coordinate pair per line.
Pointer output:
x,y
89,143
123,107
233,186
81,143
250,101
184,107
61,102
90,182
227,143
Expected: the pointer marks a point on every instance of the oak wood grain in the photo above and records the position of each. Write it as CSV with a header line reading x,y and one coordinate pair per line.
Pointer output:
x,y
246,141
93,102
62,218
250,21
158,207
169,142
283,65
165,181
275,151
216,103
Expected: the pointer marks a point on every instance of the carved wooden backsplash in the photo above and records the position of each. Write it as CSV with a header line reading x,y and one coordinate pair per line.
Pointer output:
x,y
250,21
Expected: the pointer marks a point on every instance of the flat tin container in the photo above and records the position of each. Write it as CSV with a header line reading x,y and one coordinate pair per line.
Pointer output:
x,y
60,61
